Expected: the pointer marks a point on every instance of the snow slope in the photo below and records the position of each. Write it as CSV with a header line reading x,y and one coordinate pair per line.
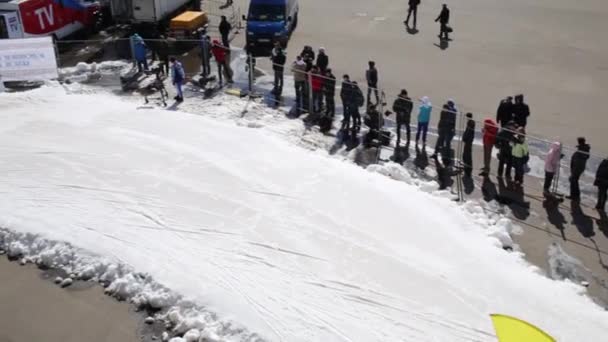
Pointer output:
x,y
288,242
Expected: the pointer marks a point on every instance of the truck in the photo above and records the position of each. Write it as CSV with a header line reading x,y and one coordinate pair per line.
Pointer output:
x,y
268,22
56,18
149,12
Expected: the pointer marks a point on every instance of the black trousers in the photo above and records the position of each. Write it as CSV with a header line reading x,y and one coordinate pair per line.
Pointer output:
x,y
225,41
299,85
601,197
330,104
519,165
410,11
374,89
407,132
443,32
575,191
278,82
444,142
548,180
505,161
467,159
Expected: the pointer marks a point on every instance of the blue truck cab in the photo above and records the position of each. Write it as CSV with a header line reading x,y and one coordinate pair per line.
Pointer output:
x,y
269,21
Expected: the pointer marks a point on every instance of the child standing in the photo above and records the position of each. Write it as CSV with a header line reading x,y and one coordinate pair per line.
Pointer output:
x,y
520,154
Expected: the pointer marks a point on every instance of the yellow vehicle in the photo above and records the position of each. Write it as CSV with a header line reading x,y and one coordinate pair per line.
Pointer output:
x,y
188,24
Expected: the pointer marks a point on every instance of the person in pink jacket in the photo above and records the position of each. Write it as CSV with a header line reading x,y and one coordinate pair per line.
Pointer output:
x,y
552,164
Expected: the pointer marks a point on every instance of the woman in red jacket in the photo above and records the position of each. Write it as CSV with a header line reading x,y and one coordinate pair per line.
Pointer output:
x,y
221,55
316,80
490,130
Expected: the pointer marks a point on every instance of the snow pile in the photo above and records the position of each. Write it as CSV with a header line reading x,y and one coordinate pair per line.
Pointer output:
x,y
563,266
288,242
89,72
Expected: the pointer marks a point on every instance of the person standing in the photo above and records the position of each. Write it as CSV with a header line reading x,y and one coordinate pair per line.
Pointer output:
x,y
163,55
178,76
424,117
322,60
225,29
358,101
446,129
329,90
403,111
467,138
316,85
601,181
490,130
206,54
521,111
308,55
520,155
552,165
139,52
347,97
298,68
278,66
413,9
504,113
578,163
220,55
504,143
444,20
371,75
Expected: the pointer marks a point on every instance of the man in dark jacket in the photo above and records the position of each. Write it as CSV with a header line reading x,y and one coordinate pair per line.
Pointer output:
x,y
322,60
521,111
278,65
444,20
504,113
467,138
601,181
225,29
358,101
403,112
504,143
578,163
446,129
371,75
347,96
413,9
308,55
329,90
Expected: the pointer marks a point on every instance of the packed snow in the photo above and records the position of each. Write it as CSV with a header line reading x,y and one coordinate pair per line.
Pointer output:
x,y
240,234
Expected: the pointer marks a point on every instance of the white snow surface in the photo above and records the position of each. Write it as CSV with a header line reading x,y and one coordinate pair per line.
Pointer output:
x,y
256,234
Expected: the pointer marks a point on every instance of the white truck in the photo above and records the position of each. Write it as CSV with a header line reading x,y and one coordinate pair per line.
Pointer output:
x,y
149,11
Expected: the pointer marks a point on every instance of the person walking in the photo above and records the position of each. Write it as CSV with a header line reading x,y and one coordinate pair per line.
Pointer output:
x,y
220,55
178,76
225,29
521,111
322,60
371,75
444,20
521,154
578,164
504,143
552,166
298,68
329,90
347,97
504,113
424,117
601,181
467,153
403,111
206,54
139,52
316,80
278,66
490,130
413,9
358,101
446,129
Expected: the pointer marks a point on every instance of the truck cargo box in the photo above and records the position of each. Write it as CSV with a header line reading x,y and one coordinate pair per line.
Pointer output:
x,y
189,21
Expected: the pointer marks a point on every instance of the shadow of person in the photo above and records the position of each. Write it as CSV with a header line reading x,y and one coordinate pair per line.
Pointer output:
x,y
443,44
422,160
513,197
602,223
554,216
411,30
401,154
583,223
469,185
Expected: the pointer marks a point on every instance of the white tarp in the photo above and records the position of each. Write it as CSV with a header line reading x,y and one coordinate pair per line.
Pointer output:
x,y
31,59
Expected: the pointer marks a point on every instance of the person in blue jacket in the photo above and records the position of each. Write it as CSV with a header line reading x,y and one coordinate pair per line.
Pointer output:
x,y
424,116
139,52
178,77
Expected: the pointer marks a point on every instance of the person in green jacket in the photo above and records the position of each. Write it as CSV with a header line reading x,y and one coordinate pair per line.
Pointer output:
x,y
520,154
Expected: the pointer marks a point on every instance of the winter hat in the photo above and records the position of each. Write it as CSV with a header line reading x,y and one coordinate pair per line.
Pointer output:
x,y
451,102
469,115
321,49
425,100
